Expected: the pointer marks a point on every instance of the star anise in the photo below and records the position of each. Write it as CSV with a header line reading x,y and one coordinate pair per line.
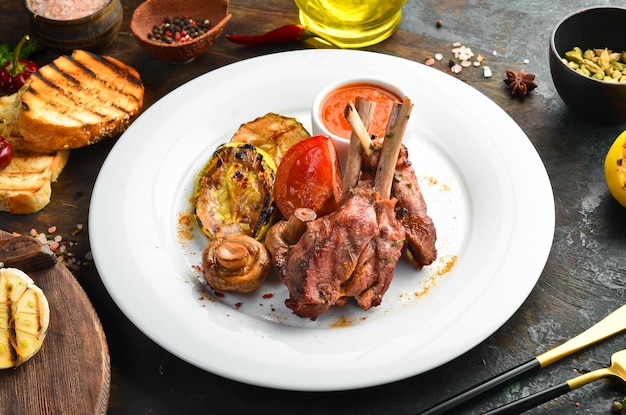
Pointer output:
x,y
520,83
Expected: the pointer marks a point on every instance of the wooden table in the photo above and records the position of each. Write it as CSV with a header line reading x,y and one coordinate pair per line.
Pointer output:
x,y
584,279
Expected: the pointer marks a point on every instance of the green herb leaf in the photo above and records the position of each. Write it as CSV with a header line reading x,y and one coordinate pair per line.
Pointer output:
x,y
29,48
6,52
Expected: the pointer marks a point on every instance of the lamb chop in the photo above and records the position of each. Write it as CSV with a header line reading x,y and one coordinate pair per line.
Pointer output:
x,y
352,252
411,208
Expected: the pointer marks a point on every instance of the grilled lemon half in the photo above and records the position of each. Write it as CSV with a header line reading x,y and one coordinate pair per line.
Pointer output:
x,y
24,317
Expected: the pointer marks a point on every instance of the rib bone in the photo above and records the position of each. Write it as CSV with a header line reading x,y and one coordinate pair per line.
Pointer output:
x,y
365,110
394,133
358,129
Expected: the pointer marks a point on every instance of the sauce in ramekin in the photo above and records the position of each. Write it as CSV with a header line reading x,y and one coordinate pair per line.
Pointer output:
x,y
332,107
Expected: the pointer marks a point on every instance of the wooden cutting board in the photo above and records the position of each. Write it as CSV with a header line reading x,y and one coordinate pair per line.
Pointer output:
x,y
71,373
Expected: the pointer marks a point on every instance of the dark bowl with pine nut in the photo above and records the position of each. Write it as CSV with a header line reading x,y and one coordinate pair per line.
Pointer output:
x,y
598,33
153,12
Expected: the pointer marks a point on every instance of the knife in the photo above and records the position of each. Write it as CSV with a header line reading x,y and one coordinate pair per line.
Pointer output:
x,y
605,328
25,253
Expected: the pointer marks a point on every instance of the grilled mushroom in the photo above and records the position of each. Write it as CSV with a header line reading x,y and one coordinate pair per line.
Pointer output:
x,y
237,263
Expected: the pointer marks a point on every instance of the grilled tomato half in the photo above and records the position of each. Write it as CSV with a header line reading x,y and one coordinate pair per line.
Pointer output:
x,y
309,177
233,193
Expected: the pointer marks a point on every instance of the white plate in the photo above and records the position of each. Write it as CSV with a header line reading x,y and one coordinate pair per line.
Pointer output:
x,y
485,185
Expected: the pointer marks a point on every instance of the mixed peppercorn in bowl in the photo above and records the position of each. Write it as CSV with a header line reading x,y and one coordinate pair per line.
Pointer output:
x,y
178,31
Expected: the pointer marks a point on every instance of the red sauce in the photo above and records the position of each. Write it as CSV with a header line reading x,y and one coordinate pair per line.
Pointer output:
x,y
332,107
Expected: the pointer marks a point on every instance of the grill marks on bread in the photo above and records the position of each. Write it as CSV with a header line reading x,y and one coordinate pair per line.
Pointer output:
x,y
76,91
84,98
26,184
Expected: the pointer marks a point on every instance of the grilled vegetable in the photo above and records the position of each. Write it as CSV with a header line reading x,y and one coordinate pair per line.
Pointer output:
x,y
6,153
236,263
15,72
24,317
272,133
233,194
285,34
309,177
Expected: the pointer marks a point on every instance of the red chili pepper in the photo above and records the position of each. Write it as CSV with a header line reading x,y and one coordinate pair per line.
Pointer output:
x,y
16,71
285,34
6,153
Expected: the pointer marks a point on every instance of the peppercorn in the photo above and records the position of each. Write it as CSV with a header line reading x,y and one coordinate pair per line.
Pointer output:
x,y
178,29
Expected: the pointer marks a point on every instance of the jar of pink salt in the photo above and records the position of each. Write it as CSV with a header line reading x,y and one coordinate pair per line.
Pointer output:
x,y
69,24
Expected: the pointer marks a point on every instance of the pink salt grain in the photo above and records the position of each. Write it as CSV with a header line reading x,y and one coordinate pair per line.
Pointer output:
x,y
66,9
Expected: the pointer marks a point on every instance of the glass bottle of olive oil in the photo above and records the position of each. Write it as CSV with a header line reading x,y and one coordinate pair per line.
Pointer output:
x,y
351,23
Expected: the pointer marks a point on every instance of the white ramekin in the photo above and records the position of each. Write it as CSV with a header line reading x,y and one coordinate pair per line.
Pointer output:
x,y
318,127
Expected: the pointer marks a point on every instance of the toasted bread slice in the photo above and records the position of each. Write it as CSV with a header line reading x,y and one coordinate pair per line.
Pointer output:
x,y
26,184
78,100
9,110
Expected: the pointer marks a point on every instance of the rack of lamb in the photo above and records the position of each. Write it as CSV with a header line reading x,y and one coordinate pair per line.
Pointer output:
x,y
352,252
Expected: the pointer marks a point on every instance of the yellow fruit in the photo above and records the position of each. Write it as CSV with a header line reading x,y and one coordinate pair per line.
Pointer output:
x,y
615,169
24,317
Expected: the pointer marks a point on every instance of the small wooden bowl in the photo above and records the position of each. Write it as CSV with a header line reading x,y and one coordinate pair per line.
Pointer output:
x,y
93,32
152,12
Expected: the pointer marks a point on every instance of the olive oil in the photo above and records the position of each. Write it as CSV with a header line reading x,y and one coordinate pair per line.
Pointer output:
x,y
351,23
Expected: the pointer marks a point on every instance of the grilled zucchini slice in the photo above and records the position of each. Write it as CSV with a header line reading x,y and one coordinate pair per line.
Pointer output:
x,y
233,193
272,133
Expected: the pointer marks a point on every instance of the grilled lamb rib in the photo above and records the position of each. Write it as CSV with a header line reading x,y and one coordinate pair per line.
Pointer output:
x,y
411,209
353,251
